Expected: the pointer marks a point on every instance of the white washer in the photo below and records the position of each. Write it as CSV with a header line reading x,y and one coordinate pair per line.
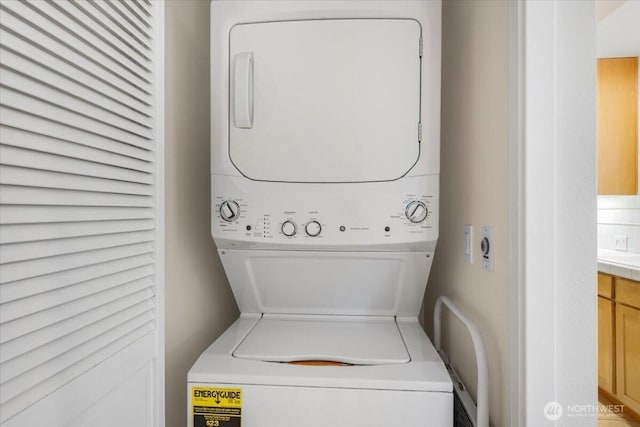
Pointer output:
x,y
325,179
383,389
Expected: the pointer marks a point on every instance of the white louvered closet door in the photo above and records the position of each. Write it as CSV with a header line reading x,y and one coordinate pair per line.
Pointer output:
x,y
80,193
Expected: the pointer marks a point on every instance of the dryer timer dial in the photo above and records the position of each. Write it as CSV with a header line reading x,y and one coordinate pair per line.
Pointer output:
x,y
229,210
416,211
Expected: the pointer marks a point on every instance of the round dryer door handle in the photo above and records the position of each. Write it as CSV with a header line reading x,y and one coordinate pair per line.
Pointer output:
x,y
243,93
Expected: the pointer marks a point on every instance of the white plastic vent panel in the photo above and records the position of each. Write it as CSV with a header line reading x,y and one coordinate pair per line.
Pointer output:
x,y
325,100
78,201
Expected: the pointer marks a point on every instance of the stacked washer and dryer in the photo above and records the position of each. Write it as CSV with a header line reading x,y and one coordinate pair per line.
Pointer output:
x,y
325,157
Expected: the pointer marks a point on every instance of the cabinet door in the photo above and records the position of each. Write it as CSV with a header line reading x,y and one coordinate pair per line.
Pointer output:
x,y
628,356
628,292
606,349
605,285
618,125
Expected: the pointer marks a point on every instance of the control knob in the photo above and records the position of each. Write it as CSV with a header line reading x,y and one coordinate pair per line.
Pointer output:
x,y
229,210
313,228
416,211
289,228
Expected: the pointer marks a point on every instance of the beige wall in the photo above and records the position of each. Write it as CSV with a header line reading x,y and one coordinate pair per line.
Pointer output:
x,y
475,189
199,303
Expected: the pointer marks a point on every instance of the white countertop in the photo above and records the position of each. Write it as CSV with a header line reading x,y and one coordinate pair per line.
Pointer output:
x,y
623,264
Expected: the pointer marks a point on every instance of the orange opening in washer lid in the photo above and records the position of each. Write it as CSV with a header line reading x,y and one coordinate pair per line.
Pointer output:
x,y
318,363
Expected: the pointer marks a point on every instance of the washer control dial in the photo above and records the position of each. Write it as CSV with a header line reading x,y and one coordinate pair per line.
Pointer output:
x,y
289,228
416,211
229,210
313,228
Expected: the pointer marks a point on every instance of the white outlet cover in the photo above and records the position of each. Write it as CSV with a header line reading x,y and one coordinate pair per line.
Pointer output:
x,y
621,243
487,248
468,243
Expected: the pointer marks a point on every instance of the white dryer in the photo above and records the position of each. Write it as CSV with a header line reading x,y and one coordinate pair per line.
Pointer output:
x,y
325,177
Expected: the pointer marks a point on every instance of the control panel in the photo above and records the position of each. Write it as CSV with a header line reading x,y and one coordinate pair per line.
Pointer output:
x,y
254,214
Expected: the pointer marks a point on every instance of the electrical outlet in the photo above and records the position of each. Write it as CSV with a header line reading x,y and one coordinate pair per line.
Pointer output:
x,y
621,243
486,248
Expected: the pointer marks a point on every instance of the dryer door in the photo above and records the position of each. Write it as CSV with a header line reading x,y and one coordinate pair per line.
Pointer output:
x,y
325,100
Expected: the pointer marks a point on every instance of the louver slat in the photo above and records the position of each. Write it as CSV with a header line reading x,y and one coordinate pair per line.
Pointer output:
x,y
57,313
132,20
79,12
46,110
22,364
37,143
41,355
66,16
16,64
24,121
45,179
48,59
18,83
86,39
31,286
141,9
99,19
44,214
69,360
43,232
38,36
13,195
51,297
45,384
73,43
77,191
39,267
133,304
107,9
25,251
137,13
14,156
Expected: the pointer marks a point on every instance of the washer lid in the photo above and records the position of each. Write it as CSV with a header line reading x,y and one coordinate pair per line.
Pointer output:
x,y
325,100
356,340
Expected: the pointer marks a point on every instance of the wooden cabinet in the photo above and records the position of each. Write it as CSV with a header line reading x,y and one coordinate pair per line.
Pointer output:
x,y
605,285
619,340
606,346
618,125
628,356
628,292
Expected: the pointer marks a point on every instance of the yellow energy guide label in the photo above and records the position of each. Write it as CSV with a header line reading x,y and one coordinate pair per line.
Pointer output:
x,y
216,407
